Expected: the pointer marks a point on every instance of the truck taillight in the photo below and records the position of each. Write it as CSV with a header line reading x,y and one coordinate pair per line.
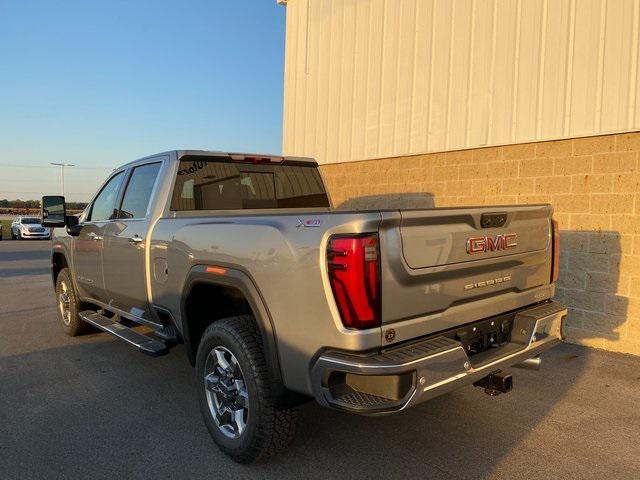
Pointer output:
x,y
555,246
354,272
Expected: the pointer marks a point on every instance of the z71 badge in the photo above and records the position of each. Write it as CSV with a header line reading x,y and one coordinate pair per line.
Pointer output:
x,y
310,222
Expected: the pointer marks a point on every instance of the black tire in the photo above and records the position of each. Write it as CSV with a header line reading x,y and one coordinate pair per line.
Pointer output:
x,y
71,324
268,428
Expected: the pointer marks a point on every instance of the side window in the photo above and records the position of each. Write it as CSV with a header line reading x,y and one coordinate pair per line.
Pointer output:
x,y
138,193
105,203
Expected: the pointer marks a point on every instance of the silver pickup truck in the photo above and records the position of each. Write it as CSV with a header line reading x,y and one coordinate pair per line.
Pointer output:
x,y
279,299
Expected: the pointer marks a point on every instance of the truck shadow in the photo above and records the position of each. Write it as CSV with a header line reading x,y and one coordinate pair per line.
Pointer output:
x,y
595,284
70,403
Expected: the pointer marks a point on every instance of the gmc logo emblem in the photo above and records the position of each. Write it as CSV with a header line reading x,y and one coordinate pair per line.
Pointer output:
x,y
491,244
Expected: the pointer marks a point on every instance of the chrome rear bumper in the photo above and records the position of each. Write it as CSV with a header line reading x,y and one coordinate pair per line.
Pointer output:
x,y
424,370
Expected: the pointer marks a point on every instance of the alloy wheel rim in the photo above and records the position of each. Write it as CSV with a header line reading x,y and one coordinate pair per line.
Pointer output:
x,y
226,392
64,304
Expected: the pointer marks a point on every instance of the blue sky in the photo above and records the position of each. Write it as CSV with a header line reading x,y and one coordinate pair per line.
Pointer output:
x,y
98,84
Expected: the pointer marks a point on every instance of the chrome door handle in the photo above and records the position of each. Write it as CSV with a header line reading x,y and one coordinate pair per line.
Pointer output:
x,y
95,237
136,239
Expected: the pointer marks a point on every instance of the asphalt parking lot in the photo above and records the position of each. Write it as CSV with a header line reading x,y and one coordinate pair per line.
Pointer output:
x,y
92,407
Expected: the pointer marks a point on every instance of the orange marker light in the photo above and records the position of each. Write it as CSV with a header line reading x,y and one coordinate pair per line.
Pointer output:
x,y
216,270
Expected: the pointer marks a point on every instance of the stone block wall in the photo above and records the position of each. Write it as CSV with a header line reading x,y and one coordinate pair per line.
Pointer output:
x,y
593,184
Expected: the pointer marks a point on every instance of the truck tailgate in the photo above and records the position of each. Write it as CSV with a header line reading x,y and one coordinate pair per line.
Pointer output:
x,y
445,267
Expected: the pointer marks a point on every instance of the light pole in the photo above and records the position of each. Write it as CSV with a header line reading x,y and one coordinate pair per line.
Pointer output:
x,y
62,165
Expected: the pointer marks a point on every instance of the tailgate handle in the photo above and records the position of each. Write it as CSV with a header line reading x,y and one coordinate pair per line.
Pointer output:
x,y
493,220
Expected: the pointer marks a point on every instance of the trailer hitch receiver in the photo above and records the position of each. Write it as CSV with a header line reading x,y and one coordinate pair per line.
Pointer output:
x,y
495,383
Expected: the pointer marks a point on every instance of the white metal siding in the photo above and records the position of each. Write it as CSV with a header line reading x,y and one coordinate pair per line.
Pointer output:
x,y
380,78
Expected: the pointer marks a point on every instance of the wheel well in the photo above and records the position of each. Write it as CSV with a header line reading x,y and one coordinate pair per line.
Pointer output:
x,y
58,262
207,303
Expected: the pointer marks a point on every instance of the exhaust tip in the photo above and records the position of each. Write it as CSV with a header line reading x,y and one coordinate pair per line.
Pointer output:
x,y
530,364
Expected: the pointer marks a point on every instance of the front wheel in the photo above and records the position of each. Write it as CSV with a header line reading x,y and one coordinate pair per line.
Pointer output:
x,y
235,393
69,305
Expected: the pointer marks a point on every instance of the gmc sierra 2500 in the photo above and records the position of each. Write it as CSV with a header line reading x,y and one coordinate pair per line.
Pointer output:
x,y
279,299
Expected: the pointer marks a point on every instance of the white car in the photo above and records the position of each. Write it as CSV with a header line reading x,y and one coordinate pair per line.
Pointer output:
x,y
28,227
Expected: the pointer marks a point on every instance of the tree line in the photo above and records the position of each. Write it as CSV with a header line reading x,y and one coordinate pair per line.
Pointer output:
x,y
35,204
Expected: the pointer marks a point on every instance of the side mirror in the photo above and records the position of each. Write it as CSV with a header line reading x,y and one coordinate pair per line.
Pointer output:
x,y
54,212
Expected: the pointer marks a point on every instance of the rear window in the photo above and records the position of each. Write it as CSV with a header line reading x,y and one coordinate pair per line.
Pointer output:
x,y
218,184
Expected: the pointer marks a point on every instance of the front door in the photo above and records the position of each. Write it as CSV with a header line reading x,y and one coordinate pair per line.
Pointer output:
x,y
125,244
88,245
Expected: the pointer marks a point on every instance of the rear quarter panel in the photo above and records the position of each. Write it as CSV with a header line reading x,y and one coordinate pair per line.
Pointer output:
x,y
286,263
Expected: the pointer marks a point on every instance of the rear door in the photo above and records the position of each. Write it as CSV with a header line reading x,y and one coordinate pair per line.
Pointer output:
x,y
446,267
88,245
125,243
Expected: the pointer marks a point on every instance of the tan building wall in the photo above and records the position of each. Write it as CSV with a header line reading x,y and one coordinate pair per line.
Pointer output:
x,y
380,78
594,186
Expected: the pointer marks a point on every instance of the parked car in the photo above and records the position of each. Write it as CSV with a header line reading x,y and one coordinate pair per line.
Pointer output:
x,y
279,299
29,227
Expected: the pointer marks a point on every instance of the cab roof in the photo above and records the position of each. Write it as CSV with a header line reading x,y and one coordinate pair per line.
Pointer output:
x,y
233,156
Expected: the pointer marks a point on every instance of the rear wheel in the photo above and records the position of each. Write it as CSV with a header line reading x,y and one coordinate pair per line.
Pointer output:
x,y
68,305
235,395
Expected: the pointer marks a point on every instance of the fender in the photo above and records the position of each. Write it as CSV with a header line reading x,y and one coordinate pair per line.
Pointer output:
x,y
63,250
243,282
